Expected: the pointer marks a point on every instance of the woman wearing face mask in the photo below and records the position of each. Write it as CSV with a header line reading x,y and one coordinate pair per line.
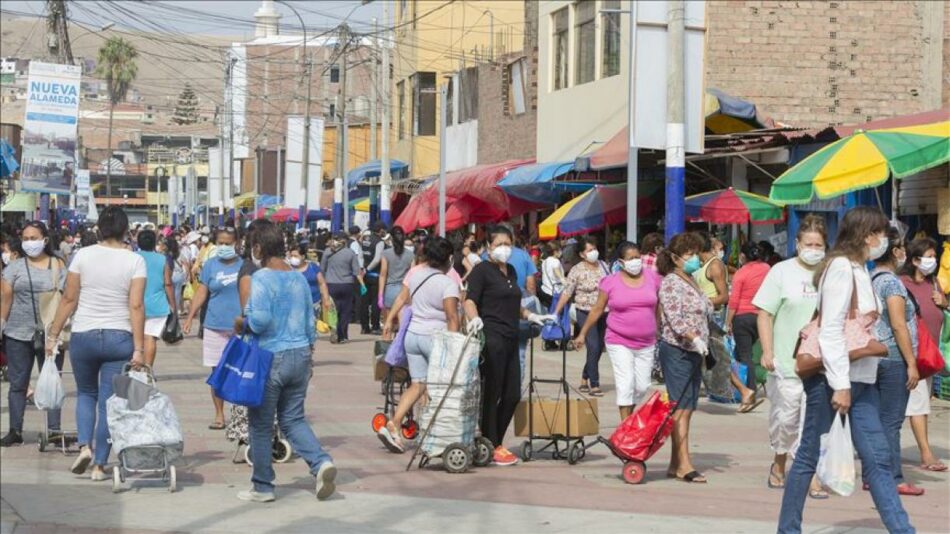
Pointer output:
x,y
631,295
846,386
11,250
219,288
473,255
918,276
684,341
396,263
311,271
493,303
341,267
583,282
159,292
24,282
741,319
897,374
180,268
786,301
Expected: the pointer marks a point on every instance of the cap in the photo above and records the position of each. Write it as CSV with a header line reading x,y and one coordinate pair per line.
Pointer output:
x,y
192,237
366,233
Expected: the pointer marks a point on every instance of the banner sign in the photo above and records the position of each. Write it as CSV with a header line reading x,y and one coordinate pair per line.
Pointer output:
x,y
49,131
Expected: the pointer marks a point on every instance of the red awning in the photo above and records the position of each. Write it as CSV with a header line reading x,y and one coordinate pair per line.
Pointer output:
x,y
471,196
613,154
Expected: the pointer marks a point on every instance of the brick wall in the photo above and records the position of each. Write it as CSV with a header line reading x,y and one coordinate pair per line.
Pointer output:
x,y
818,63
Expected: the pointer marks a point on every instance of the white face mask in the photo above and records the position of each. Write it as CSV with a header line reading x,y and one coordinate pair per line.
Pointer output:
x,y
6,258
721,254
592,256
927,266
33,248
878,251
501,253
295,261
205,239
811,256
633,267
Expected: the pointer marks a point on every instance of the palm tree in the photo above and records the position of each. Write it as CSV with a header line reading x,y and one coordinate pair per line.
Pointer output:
x,y
116,65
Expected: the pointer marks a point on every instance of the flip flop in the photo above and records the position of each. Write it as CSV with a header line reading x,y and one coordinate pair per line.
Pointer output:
x,y
936,467
693,477
748,407
771,485
216,426
818,495
596,392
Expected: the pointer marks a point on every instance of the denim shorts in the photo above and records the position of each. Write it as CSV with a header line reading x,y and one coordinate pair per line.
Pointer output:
x,y
418,350
682,371
390,293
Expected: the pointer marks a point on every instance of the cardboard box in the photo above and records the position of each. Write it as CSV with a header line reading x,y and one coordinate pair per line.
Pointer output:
x,y
380,367
551,418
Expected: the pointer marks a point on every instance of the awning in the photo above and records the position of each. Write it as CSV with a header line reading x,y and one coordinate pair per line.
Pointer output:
x,y
20,202
535,182
373,169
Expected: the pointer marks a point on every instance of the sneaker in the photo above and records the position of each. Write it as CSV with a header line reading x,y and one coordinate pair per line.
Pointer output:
x,y
326,476
504,457
12,438
390,441
256,496
99,474
82,461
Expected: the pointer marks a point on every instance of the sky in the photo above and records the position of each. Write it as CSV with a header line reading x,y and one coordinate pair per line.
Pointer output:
x,y
316,14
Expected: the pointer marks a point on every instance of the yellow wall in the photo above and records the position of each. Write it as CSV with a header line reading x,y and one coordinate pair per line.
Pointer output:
x,y
358,148
453,37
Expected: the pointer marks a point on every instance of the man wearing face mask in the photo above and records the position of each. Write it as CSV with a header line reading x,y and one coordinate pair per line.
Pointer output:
x,y
341,268
493,304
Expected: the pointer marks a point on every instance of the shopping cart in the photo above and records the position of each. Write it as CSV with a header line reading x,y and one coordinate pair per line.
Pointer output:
x,y
61,439
237,430
394,384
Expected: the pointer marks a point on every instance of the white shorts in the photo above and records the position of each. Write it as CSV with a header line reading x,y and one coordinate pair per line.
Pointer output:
x,y
919,401
154,326
632,372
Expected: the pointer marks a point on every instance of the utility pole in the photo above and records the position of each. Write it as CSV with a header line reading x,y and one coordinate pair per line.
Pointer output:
x,y
230,117
675,101
342,130
374,81
306,78
60,51
632,153
384,177
443,111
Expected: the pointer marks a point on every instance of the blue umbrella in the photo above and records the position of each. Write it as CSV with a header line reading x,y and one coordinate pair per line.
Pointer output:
x,y
373,169
536,182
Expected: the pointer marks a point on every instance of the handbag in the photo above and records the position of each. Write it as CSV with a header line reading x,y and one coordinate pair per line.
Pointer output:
x,y
929,359
241,376
859,340
172,333
49,303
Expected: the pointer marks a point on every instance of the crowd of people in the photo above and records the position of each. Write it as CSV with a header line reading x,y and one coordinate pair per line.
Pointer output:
x,y
677,311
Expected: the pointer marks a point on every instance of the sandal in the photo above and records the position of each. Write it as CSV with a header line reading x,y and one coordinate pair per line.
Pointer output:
x,y
693,477
772,476
937,467
818,494
217,425
747,407
584,387
596,392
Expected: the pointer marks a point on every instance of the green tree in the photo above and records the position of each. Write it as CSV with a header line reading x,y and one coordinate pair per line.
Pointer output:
x,y
116,65
186,111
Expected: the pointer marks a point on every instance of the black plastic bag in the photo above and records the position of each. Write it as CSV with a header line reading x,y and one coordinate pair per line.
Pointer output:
x,y
172,333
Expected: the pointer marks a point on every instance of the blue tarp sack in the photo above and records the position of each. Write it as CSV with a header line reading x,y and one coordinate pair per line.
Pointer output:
x,y
241,375
560,330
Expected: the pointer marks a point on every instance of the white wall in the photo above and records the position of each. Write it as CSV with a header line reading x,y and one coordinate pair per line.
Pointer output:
x,y
461,146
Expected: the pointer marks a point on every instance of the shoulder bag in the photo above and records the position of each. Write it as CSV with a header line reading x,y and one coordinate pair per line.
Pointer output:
x,y
39,330
49,303
859,339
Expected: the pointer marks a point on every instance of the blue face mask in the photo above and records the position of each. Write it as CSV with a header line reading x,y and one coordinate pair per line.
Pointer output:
x,y
226,252
692,264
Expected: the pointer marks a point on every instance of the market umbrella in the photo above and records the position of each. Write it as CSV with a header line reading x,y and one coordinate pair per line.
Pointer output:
x,y
267,212
598,207
727,114
729,206
863,160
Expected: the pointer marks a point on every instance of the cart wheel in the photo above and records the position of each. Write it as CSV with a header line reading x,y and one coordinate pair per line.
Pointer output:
x,y
172,479
281,451
379,421
526,450
42,443
116,480
410,429
483,451
456,458
634,471
583,450
247,455
575,452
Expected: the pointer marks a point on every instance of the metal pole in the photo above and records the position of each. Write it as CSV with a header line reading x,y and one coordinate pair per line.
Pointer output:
x,y
374,84
305,65
344,158
675,101
632,154
384,177
280,167
343,143
257,176
443,110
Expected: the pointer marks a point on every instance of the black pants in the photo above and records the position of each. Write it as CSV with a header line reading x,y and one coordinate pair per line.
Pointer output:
x,y
342,295
369,310
746,332
501,374
20,358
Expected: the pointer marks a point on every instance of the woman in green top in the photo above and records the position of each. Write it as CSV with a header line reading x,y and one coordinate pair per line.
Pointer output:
x,y
788,297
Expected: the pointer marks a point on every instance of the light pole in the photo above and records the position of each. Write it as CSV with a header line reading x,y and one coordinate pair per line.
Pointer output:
x,y
160,173
305,65
101,29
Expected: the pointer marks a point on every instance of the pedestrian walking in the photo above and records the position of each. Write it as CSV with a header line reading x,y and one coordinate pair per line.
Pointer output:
x,y
341,267
180,269
105,288
742,318
26,279
312,273
159,293
846,387
396,263
280,314
218,290
631,295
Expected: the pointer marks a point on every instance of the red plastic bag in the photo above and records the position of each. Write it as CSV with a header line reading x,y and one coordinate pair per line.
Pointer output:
x,y
641,434
929,359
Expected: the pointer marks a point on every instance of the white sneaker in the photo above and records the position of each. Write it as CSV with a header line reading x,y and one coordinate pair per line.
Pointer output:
x,y
255,496
82,461
325,480
389,441
99,474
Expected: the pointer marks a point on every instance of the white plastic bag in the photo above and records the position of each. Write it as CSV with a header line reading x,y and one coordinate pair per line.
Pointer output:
x,y
836,458
49,393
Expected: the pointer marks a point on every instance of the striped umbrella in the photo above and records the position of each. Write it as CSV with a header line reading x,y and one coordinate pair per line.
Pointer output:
x,y
729,206
598,207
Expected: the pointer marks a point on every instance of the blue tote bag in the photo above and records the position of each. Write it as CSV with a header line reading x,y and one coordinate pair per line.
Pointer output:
x,y
241,375
560,330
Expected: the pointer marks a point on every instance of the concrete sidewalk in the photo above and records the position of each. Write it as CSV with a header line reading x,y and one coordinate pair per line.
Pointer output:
x,y
376,494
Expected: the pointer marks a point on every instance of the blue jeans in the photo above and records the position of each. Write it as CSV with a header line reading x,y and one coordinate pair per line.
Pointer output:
x,y
96,357
870,442
594,342
284,398
892,388
20,360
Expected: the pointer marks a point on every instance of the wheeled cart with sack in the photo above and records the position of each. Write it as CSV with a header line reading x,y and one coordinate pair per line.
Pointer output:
x,y
146,434
450,419
50,394
237,430
395,381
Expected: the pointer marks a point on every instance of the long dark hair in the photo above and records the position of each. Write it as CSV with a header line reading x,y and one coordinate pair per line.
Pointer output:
x,y
916,250
398,236
172,250
47,247
679,245
856,226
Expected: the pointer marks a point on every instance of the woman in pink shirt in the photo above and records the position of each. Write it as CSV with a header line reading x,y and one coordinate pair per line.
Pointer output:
x,y
741,318
631,295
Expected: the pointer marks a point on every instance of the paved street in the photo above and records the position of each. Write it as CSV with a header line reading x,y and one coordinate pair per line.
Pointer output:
x,y
376,494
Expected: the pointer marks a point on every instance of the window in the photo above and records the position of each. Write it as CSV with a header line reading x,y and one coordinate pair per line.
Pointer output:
x,y
423,103
516,87
585,41
468,95
401,110
611,43
333,112
335,74
560,42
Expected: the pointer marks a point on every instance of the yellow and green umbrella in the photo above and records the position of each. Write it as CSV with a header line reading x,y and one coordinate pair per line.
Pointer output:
x,y
862,160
